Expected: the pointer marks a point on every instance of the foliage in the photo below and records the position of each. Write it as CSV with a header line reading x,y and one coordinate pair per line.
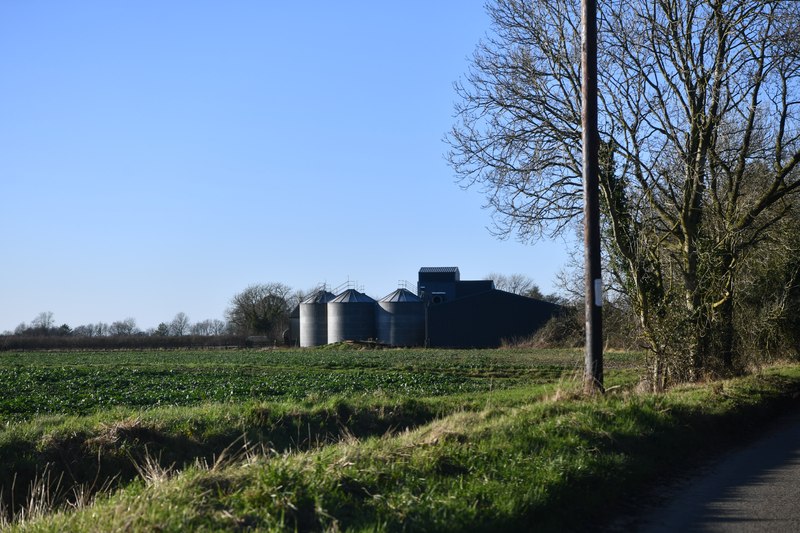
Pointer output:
x,y
700,145
261,309
768,308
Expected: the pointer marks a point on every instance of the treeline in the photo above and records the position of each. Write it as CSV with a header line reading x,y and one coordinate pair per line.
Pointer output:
x,y
120,342
45,326
257,316
43,333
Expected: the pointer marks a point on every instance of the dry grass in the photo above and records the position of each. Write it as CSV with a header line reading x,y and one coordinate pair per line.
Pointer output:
x,y
152,472
41,499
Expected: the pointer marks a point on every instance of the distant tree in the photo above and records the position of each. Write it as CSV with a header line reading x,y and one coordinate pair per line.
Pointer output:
x,y
43,321
217,327
201,328
84,330
208,327
123,327
64,330
515,283
299,295
261,309
522,285
162,330
179,325
42,325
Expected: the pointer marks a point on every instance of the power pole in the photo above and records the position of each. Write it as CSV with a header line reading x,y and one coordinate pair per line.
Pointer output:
x,y
593,374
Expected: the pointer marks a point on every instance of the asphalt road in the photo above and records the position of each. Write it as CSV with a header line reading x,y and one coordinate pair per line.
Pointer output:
x,y
756,488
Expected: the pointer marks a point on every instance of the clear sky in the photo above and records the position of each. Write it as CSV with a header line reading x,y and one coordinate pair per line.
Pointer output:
x,y
158,157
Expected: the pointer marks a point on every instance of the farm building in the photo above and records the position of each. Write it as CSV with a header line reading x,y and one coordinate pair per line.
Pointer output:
x,y
446,312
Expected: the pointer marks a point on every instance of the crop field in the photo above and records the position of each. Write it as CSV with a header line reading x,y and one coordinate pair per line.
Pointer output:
x,y
342,439
78,383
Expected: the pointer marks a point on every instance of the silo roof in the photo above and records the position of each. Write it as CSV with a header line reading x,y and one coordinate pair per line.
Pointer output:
x,y
401,295
319,297
352,296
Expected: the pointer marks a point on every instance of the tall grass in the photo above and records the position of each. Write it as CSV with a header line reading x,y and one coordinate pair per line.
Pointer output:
x,y
550,462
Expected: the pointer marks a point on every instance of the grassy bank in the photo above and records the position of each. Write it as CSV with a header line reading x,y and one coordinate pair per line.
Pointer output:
x,y
528,456
83,421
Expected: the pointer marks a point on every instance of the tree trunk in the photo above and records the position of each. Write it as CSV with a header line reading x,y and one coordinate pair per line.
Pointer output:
x,y
724,315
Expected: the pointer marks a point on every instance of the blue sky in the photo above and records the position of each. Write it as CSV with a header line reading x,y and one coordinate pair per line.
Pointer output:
x,y
160,156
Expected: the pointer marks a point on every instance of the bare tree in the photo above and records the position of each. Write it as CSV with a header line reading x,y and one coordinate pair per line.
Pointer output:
x,y
217,327
700,145
517,284
43,321
201,328
208,327
179,325
84,330
123,327
91,330
42,325
261,309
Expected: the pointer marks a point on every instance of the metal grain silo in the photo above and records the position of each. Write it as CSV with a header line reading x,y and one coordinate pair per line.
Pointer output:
x,y
400,319
351,317
314,319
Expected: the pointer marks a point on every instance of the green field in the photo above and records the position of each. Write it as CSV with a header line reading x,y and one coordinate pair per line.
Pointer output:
x,y
83,382
339,438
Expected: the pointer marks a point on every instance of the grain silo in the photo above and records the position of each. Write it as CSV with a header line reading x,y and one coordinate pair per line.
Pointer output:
x,y
400,319
314,319
351,317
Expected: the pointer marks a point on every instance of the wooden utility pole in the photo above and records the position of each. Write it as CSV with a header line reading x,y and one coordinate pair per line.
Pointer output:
x,y
593,375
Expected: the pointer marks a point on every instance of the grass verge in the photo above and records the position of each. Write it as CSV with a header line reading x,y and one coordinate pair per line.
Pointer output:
x,y
546,464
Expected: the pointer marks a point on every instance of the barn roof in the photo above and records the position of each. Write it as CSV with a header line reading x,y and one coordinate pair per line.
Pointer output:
x,y
438,270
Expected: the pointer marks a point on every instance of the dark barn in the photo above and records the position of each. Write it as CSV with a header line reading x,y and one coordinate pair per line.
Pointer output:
x,y
484,320
473,314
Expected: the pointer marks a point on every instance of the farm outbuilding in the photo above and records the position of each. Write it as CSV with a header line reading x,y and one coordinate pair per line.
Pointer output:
x,y
474,314
445,312
485,319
